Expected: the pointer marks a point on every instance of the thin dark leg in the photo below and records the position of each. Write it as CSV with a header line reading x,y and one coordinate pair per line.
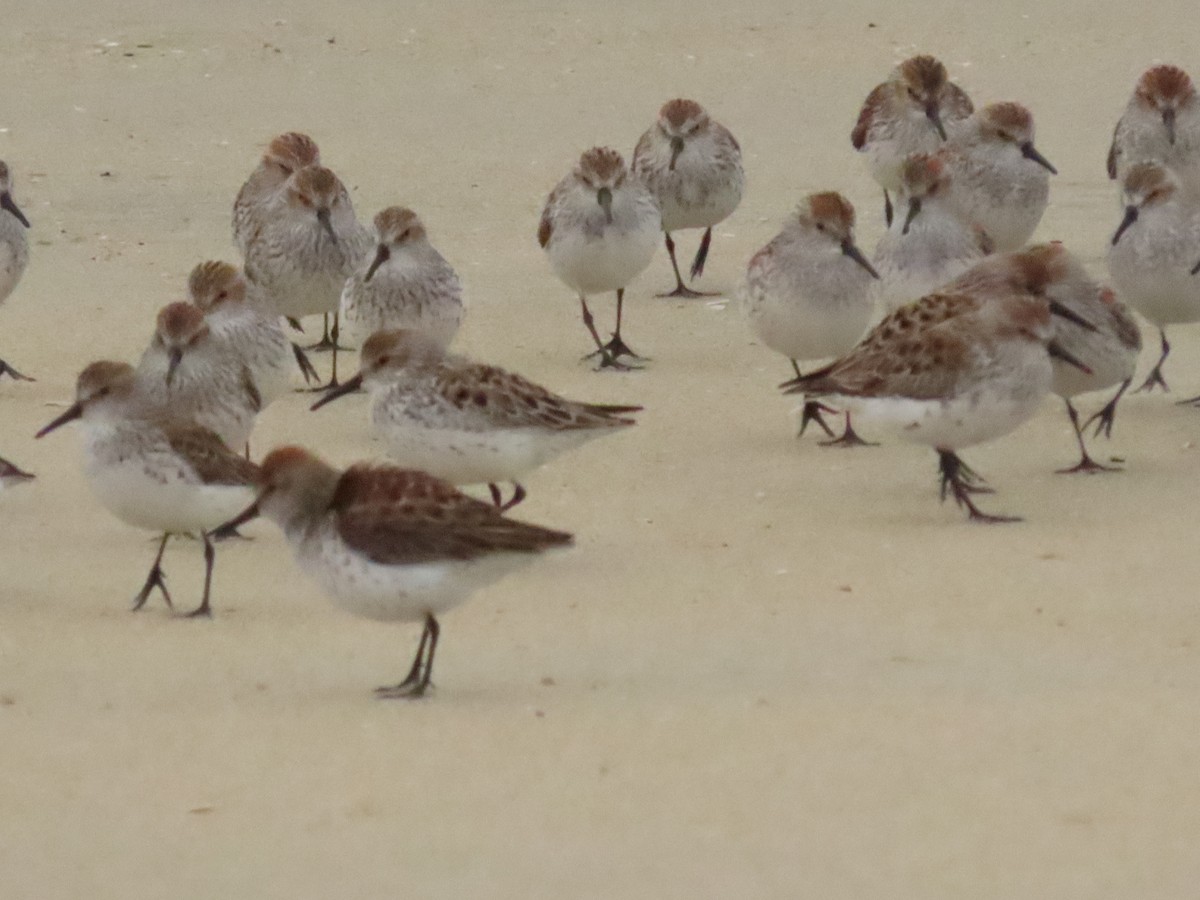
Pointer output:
x,y
210,557
1086,463
849,438
812,413
497,497
606,359
681,289
1104,418
959,479
1155,378
306,367
420,676
6,369
796,368
517,497
156,579
329,337
888,212
617,347
701,254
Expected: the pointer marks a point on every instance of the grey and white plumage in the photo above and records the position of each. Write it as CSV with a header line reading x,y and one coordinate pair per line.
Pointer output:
x,y
692,165
1160,124
392,544
929,242
286,154
998,179
599,228
1153,251
187,371
14,250
406,283
468,422
152,470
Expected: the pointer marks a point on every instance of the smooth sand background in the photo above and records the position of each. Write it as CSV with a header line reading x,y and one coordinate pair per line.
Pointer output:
x,y
768,669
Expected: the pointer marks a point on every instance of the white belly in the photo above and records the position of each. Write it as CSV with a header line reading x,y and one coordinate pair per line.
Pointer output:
x,y
595,265
137,498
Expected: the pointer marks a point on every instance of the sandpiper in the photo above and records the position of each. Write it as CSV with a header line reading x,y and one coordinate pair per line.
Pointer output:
x,y
14,251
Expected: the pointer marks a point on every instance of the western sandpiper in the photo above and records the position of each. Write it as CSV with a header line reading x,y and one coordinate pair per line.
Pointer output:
x,y
467,422
392,544
153,472
807,293
998,179
14,251
1152,253
929,243
599,229
307,245
250,331
193,375
911,112
1109,348
952,370
693,167
406,284
1161,124
287,153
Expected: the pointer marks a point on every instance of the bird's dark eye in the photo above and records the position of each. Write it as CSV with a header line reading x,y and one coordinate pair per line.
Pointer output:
x,y
820,226
222,295
384,360
913,94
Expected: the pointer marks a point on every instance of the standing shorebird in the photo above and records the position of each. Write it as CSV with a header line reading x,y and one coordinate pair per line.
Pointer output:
x,y
929,243
14,251
406,284
307,245
1109,347
1152,253
467,422
195,376
693,167
955,369
152,471
912,112
1161,124
599,229
807,293
392,544
247,330
998,179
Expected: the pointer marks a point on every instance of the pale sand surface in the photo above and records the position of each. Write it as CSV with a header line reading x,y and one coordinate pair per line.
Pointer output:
x,y
768,669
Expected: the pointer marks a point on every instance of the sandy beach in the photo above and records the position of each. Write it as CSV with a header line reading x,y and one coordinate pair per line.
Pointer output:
x,y
767,669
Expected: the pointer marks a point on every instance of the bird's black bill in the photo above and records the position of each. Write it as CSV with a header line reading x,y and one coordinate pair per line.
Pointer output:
x,y
6,202
914,208
935,117
381,256
229,529
604,198
174,358
852,251
1131,216
1168,117
1030,152
346,387
323,218
676,149
72,413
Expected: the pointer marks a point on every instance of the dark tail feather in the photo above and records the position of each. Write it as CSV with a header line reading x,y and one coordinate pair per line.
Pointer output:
x,y
812,383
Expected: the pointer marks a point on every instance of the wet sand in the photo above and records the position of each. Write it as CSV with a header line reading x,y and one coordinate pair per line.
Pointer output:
x,y
767,669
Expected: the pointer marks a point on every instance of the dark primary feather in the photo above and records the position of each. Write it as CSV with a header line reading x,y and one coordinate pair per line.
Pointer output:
x,y
403,517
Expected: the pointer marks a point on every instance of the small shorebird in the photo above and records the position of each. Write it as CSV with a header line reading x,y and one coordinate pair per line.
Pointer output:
x,y
693,167
14,251
806,294
189,372
998,179
912,112
1109,348
1161,124
392,544
467,422
248,330
306,246
154,472
1152,253
600,228
406,284
287,153
955,369
929,243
